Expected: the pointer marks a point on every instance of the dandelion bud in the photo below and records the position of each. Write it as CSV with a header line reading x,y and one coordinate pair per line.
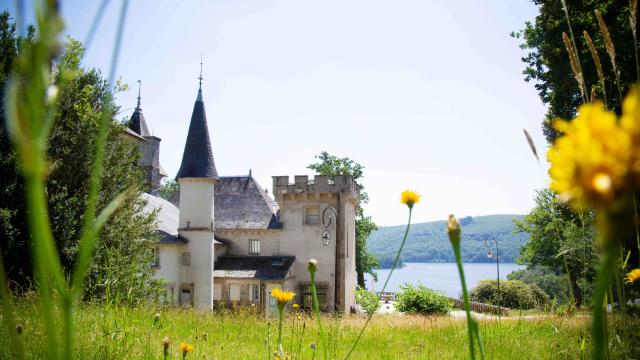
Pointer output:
x,y
52,94
312,266
453,228
165,345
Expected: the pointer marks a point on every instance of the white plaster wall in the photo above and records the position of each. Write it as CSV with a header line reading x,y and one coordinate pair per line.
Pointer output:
x,y
200,272
196,202
303,241
239,241
169,269
350,255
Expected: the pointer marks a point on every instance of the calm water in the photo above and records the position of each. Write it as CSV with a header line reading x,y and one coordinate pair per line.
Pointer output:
x,y
442,276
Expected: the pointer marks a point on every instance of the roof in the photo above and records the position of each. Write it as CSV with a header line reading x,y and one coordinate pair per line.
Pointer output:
x,y
137,123
168,217
197,158
253,267
241,203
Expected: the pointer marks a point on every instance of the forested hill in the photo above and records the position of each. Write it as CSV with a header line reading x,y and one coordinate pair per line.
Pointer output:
x,y
428,242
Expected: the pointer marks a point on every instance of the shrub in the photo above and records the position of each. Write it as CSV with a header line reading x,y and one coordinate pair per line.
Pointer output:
x,y
554,285
368,300
513,294
422,300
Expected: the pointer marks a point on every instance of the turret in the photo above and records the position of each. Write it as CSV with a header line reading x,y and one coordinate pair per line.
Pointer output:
x,y
149,147
197,178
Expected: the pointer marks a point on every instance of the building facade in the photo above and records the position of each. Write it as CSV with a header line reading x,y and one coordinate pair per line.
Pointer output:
x,y
224,241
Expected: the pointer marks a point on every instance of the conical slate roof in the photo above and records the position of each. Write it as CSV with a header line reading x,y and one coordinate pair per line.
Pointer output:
x,y
137,122
197,159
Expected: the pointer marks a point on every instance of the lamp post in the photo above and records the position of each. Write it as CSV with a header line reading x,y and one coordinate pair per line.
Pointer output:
x,y
490,255
327,220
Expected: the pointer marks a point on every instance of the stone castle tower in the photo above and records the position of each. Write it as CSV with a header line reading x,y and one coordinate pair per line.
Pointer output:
x,y
302,207
149,147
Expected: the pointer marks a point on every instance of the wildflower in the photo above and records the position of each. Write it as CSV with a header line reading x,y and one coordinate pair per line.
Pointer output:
x,y
185,348
312,266
283,297
296,306
590,164
165,346
632,276
409,198
453,229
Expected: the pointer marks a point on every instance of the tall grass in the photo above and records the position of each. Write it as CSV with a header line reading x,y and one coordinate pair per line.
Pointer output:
x,y
31,108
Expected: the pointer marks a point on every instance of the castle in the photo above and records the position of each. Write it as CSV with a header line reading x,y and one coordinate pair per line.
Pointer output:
x,y
224,241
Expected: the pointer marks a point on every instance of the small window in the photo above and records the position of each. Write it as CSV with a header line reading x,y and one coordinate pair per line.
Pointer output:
x,y
307,297
186,259
254,247
254,292
312,215
155,253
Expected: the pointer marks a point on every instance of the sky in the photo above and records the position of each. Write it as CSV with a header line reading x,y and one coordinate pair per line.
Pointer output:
x,y
426,95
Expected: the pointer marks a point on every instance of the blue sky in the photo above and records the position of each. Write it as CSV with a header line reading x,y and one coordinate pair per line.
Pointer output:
x,y
427,95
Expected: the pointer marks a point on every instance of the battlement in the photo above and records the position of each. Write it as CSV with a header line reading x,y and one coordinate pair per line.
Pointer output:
x,y
319,184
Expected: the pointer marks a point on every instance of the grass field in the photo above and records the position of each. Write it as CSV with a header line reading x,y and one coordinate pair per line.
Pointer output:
x,y
132,333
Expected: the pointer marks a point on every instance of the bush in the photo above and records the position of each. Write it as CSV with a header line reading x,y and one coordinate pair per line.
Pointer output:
x,y
368,300
422,300
554,285
513,294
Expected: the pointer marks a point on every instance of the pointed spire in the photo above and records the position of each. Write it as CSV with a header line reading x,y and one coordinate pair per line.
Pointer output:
x,y
197,159
139,86
137,123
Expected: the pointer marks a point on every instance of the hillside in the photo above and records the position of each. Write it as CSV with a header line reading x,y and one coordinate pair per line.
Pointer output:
x,y
428,242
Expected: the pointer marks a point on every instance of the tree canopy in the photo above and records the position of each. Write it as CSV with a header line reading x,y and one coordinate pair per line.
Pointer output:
x,y
547,61
122,258
331,165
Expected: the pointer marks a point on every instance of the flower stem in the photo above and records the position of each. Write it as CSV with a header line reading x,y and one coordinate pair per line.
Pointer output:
x,y
395,263
280,319
465,297
598,327
317,311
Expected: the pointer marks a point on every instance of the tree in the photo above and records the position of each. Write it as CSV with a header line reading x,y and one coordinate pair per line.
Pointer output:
x,y
560,240
168,189
331,165
122,257
547,63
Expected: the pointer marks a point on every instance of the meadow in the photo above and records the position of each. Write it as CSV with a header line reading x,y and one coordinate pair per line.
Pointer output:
x,y
104,332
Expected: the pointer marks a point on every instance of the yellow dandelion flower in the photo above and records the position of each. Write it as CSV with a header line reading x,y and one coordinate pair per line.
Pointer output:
x,y
632,276
283,297
409,198
590,163
185,348
296,306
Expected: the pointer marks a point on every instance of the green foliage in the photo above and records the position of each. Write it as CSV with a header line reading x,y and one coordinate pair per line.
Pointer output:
x,y
122,254
420,299
168,188
513,294
427,242
556,286
562,241
368,300
331,165
547,62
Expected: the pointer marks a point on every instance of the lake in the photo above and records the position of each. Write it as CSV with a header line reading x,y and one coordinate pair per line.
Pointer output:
x,y
441,276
